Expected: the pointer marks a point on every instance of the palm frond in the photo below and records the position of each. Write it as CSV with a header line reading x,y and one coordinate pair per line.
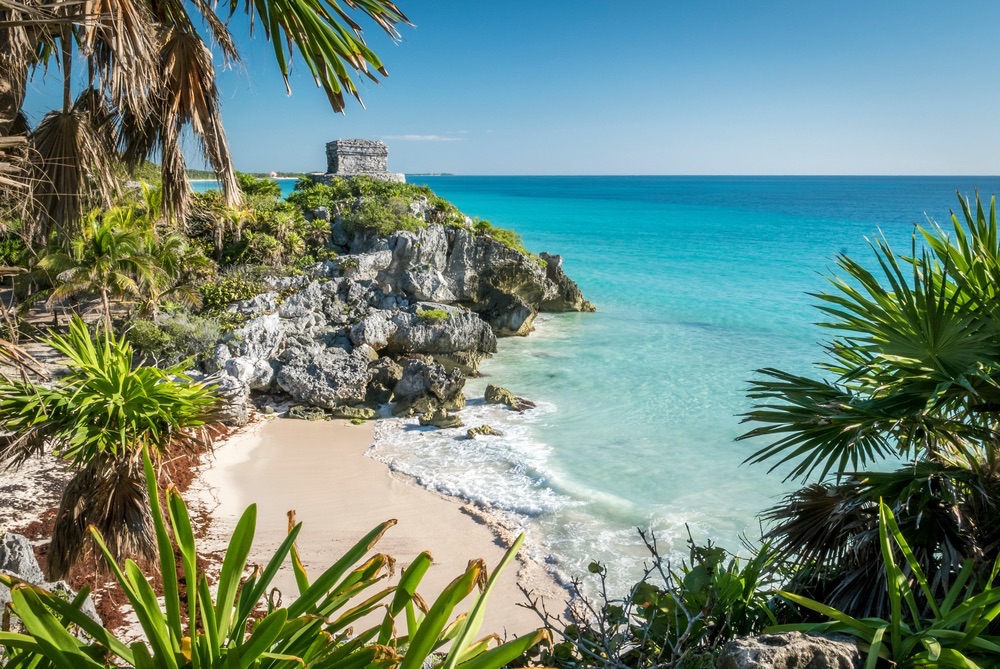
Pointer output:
x,y
326,36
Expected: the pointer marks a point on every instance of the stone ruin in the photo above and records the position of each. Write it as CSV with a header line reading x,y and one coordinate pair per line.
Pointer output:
x,y
356,157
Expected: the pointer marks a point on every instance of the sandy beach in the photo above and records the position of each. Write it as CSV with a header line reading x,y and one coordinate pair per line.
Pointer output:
x,y
320,470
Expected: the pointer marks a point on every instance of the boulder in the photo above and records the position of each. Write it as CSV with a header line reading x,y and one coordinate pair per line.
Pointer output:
x,y
568,296
426,386
383,375
17,558
353,413
440,418
500,395
361,266
306,412
257,374
793,650
483,431
426,284
461,331
234,405
325,378
258,305
374,330
259,339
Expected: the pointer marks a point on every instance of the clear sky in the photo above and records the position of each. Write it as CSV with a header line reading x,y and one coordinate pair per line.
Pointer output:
x,y
651,87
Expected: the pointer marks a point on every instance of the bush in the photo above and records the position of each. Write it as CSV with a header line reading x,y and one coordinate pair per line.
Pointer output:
x,y
232,288
508,238
383,218
431,316
251,185
670,618
174,337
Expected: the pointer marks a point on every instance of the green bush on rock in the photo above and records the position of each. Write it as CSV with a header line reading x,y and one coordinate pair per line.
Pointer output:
x,y
432,316
174,337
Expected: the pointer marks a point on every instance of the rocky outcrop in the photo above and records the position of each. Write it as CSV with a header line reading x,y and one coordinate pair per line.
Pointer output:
x,y
440,418
17,559
426,386
399,318
791,651
483,431
326,377
499,395
306,412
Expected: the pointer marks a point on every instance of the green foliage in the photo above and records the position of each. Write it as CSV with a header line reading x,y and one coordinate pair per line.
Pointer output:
x,y
310,194
913,374
175,337
383,218
508,238
251,185
240,625
670,618
950,631
12,250
432,316
232,288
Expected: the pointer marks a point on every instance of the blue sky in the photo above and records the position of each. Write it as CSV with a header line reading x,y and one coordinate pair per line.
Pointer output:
x,y
657,87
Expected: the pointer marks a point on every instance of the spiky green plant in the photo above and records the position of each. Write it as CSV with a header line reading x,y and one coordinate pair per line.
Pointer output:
x,y
99,417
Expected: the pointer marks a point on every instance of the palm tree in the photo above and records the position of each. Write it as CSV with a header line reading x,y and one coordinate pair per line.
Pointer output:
x,y
108,259
100,417
913,376
150,75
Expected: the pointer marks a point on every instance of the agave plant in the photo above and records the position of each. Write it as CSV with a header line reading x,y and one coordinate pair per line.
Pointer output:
x,y
913,376
100,416
952,633
240,625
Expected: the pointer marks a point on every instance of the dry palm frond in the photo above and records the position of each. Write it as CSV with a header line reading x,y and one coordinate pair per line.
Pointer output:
x,y
75,160
121,46
111,495
191,97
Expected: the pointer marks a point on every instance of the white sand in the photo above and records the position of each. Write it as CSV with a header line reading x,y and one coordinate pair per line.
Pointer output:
x,y
319,469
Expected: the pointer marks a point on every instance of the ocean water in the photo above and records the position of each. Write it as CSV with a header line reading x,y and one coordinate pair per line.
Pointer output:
x,y
698,282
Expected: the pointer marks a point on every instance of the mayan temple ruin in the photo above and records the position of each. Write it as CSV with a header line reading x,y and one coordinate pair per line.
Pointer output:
x,y
356,157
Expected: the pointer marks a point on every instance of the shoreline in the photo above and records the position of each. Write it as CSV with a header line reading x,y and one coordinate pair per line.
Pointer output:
x,y
321,470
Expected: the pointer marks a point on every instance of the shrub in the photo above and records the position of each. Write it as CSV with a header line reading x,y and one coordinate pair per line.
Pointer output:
x,y
383,218
950,632
431,316
508,238
232,288
174,337
669,618
251,185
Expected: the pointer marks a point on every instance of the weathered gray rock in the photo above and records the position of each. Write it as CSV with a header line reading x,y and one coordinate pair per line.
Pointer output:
x,y
257,374
374,330
234,407
326,378
17,558
259,339
426,284
353,413
363,266
302,302
306,412
426,386
440,418
461,331
569,296
500,395
383,375
483,431
791,651
258,305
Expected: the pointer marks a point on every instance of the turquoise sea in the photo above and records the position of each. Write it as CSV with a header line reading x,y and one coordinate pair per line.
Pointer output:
x,y
698,282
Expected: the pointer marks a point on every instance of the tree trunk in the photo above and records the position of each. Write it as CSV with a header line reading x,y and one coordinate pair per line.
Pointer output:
x,y
106,304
